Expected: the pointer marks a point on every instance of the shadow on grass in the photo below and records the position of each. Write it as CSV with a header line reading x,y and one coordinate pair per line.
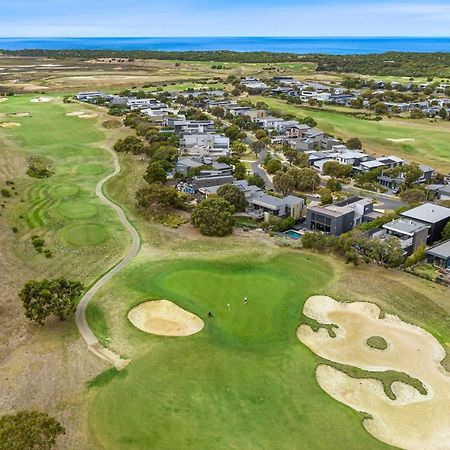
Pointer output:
x,y
105,377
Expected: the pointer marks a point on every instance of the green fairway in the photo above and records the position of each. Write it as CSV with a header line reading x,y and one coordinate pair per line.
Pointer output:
x,y
245,381
415,140
63,208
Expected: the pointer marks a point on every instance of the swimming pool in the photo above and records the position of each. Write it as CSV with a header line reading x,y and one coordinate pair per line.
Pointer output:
x,y
293,234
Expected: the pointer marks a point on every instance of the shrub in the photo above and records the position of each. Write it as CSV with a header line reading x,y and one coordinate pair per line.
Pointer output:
x,y
214,217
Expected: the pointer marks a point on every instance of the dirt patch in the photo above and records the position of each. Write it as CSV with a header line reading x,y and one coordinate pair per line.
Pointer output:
x,y
40,100
10,124
165,318
412,420
399,141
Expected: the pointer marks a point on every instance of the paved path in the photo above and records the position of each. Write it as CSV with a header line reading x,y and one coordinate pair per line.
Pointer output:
x,y
80,315
257,169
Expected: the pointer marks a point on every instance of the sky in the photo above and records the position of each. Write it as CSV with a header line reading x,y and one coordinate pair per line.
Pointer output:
x,y
116,18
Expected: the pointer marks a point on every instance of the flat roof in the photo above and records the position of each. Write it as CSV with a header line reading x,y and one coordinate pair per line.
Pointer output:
x,y
441,250
267,201
404,226
332,210
428,213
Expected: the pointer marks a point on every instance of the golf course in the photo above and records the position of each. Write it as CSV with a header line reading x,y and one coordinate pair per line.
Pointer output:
x,y
235,375
416,140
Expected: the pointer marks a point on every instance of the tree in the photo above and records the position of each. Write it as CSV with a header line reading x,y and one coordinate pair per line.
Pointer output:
x,y
411,196
131,144
260,134
380,108
214,217
416,257
240,171
256,180
308,121
156,199
333,185
155,173
306,179
291,155
29,430
302,160
284,183
336,169
218,111
273,166
233,195
238,148
354,144
443,113
446,231
257,146
49,297
326,198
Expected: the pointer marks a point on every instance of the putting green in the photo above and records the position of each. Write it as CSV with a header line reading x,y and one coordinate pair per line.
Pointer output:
x,y
66,190
76,209
90,169
84,235
244,382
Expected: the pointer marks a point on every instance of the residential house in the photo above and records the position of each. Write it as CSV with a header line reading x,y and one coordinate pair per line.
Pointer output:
x,y
440,255
431,215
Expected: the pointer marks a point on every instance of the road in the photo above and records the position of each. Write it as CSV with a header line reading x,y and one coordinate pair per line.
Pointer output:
x,y
80,315
257,169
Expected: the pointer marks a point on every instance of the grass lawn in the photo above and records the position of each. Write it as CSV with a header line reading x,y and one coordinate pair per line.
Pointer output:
x,y
426,142
245,381
83,234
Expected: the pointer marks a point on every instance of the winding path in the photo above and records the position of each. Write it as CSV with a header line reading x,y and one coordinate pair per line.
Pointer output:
x,y
80,315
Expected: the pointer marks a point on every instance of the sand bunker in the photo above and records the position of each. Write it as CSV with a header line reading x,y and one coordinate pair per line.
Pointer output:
x,y
3,100
88,116
40,100
165,318
75,113
10,124
413,420
23,114
400,140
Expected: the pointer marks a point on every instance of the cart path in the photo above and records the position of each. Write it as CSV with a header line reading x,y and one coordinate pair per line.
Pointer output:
x,y
80,315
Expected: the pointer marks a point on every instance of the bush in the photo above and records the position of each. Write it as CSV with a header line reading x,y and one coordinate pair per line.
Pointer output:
x,y
38,243
416,257
5,193
282,225
273,166
214,217
233,195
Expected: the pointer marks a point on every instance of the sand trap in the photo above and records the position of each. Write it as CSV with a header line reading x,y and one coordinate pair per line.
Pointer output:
x,y
40,100
75,113
413,420
165,318
23,114
2,100
10,124
88,116
400,140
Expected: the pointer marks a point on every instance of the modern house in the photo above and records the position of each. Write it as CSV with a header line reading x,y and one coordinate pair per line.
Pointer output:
x,y
435,217
340,217
440,255
411,234
279,207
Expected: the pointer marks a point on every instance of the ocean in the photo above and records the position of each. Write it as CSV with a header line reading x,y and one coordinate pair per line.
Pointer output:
x,y
337,46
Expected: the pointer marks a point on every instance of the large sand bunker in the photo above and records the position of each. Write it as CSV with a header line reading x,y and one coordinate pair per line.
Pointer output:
x,y
10,124
399,141
412,420
40,100
165,318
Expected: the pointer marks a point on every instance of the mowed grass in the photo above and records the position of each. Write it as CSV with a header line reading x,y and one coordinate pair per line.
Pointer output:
x,y
427,143
244,382
84,235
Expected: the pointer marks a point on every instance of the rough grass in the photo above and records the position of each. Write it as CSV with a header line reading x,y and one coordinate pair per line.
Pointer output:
x,y
377,342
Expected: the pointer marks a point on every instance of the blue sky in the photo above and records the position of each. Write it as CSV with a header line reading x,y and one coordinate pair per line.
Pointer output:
x,y
36,18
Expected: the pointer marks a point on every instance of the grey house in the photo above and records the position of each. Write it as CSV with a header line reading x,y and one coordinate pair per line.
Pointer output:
x,y
331,219
434,216
440,255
